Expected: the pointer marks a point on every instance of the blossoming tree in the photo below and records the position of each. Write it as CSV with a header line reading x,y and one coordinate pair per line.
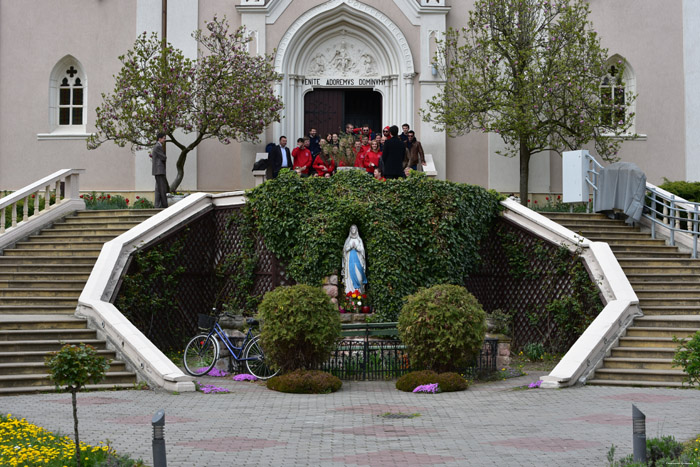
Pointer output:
x,y
225,94
531,71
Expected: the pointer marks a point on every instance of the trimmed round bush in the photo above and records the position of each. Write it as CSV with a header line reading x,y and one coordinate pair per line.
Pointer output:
x,y
300,326
443,328
447,382
305,382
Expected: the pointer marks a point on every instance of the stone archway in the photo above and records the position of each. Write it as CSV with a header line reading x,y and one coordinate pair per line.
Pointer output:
x,y
344,44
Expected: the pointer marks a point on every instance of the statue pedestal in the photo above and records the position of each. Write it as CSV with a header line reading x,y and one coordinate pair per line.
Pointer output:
x,y
354,317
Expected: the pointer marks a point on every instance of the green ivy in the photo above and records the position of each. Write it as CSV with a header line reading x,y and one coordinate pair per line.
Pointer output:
x,y
418,232
688,357
148,293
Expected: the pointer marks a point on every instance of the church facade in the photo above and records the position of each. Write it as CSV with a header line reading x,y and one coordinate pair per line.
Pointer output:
x,y
342,61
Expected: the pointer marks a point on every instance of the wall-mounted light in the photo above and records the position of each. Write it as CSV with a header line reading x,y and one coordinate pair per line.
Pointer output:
x,y
433,69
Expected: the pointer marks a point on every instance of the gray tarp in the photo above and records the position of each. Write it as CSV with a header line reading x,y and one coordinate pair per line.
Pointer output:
x,y
621,186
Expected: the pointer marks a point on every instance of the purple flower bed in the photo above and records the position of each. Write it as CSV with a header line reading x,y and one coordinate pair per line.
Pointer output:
x,y
244,377
427,388
211,389
535,384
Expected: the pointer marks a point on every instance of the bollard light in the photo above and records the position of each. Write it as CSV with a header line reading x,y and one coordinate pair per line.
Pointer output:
x,y
158,424
639,435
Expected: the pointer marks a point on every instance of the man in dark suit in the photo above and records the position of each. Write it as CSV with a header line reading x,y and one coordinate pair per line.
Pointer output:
x,y
394,155
158,159
280,158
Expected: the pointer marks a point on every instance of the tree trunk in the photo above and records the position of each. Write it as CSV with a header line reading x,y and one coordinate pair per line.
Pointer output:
x,y
75,426
180,170
524,170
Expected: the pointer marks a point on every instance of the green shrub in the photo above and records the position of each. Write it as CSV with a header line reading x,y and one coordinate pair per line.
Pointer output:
x,y
142,203
417,232
534,351
688,357
447,382
305,382
300,326
30,207
501,321
443,328
689,191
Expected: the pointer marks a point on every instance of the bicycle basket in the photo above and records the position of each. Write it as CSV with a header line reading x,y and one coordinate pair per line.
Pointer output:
x,y
206,321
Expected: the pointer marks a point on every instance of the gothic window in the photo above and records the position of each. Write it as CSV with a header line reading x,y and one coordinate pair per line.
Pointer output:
x,y
67,97
616,87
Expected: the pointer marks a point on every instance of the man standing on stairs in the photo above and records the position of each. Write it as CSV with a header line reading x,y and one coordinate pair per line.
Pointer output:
x,y
158,159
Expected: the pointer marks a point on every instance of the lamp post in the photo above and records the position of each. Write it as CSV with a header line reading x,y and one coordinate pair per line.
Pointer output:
x,y
158,422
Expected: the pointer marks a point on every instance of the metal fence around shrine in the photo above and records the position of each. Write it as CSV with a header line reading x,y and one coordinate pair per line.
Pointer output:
x,y
366,357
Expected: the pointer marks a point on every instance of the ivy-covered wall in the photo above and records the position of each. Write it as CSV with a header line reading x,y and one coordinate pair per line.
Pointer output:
x,y
417,232
545,289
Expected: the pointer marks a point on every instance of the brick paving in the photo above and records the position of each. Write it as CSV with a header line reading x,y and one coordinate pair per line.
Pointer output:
x,y
490,424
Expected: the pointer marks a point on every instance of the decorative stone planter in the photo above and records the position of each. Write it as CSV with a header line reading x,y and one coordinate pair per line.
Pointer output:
x,y
172,199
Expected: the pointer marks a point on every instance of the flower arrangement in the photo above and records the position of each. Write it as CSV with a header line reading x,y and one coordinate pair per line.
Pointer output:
x,y
211,389
354,302
535,384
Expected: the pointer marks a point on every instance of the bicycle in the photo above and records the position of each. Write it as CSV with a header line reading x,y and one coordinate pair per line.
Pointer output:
x,y
202,351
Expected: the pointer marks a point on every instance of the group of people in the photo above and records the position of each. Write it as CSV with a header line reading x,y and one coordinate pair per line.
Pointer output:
x,y
385,155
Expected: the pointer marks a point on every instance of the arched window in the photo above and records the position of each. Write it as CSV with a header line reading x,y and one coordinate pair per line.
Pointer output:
x,y
67,97
615,90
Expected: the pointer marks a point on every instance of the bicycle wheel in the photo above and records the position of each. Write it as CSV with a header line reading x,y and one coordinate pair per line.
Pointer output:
x,y
255,360
201,355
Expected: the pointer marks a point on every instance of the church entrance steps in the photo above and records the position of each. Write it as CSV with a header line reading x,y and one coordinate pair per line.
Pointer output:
x,y
667,284
41,280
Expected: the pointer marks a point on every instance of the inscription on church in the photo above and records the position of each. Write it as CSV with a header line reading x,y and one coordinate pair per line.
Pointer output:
x,y
344,81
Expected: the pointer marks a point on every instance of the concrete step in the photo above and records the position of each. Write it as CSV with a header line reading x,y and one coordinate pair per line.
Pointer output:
x,y
38,301
83,233
38,356
642,249
622,374
47,236
37,244
52,252
58,284
47,334
631,241
616,234
643,352
37,292
46,345
652,292
659,342
38,309
58,269
659,270
43,277
108,223
92,219
658,331
669,301
92,213
678,321
575,215
639,363
19,390
42,379
671,280
10,261
39,368
650,255
670,310
635,383
27,322
659,262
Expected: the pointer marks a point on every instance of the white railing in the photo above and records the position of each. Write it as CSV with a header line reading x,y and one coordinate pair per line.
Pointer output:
x,y
95,300
38,195
621,303
672,217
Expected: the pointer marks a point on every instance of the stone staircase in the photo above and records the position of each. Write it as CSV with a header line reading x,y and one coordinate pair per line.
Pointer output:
x,y
667,283
40,282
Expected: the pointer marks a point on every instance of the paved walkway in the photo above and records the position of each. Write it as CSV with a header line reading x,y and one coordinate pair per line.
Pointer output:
x,y
490,424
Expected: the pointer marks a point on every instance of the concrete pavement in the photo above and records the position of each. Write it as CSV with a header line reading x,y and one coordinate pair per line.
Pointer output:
x,y
490,424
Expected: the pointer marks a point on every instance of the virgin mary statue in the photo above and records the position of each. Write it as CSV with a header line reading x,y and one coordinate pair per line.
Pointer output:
x,y
354,262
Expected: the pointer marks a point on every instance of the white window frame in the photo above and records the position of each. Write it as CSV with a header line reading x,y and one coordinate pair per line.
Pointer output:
x,y
630,82
59,72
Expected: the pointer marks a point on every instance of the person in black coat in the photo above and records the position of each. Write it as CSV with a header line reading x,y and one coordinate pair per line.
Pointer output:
x,y
280,158
394,155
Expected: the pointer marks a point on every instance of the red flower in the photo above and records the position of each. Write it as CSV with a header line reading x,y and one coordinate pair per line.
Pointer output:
x,y
558,196
127,201
109,196
528,200
81,196
33,196
535,201
547,198
138,197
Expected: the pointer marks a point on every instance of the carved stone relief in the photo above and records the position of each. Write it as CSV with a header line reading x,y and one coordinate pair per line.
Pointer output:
x,y
342,58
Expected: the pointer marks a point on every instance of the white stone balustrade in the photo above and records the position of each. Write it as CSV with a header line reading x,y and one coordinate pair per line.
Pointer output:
x,y
70,201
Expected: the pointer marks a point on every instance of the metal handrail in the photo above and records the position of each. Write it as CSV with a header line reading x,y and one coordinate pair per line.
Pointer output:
x,y
662,208
672,212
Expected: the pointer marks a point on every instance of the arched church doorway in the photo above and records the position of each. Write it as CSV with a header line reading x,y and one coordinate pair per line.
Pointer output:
x,y
328,110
